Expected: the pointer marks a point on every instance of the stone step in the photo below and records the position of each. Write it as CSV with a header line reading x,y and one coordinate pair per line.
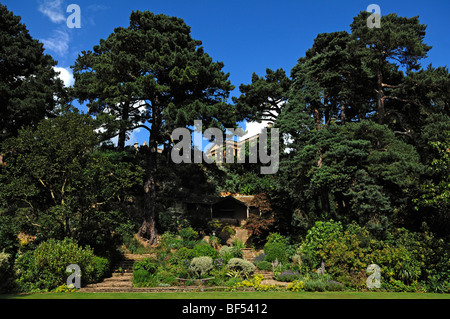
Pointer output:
x,y
151,289
118,278
265,273
111,284
124,275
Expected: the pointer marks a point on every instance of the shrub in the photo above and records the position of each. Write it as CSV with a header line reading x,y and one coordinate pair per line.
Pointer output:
x,y
45,267
264,265
276,248
101,268
227,252
332,285
148,265
254,282
316,237
219,262
166,277
171,241
296,285
188,234
204,250
65,288
287,276
142,278
184,253
314,285
200,266
242,265
6,271
220,276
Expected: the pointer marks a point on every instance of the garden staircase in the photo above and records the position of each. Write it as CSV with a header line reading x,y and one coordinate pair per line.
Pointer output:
x,y
120,280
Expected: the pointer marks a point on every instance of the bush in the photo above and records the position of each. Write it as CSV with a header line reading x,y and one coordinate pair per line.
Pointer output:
x,y
264,265
200,266
288,276
316,237
45,267
296,285
314,285
188,234
167,277
276,248
241,265
6,271
148,265
101,268
171,241
275,251
205,250
184,254
227,252
142,278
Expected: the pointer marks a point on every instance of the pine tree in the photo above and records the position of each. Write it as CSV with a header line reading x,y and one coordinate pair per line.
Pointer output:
x,y
154,64
29,86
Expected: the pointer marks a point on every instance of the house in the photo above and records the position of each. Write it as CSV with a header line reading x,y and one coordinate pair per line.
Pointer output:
x,y
233,208
214,151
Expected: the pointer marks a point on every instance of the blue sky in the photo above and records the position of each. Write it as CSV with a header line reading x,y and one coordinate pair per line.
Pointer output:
x,y
247,35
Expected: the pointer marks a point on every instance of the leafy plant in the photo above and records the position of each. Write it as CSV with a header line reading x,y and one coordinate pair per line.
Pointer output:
x,y
201,266
287,276
264,265
202,249
245,267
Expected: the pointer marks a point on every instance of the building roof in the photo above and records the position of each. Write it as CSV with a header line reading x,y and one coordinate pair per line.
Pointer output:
x,y
211,200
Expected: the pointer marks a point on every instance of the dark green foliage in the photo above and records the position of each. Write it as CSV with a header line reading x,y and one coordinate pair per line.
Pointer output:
x,y
29,86
358,171
188,234
263,99
204,249
149,265
363,179
45,267
275,249
263,265
57,183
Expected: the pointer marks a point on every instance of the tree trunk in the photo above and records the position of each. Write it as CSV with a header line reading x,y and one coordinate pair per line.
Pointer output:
x,y
123,128
121,140
317,118
342,115
380,97
148,230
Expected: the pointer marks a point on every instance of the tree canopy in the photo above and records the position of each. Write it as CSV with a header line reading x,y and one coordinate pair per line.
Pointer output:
x,y
29,87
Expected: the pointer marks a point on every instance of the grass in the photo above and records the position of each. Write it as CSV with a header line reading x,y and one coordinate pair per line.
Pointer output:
x,y
232,295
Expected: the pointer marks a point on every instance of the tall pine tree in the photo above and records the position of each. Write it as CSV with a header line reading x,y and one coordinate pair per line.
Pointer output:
x,y
29,86
154,62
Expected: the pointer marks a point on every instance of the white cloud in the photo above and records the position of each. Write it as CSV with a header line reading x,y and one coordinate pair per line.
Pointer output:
x,y
59,42
65,75
53,9
253,128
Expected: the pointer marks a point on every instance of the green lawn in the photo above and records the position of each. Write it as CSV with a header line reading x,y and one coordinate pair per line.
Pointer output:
x,y
232,295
